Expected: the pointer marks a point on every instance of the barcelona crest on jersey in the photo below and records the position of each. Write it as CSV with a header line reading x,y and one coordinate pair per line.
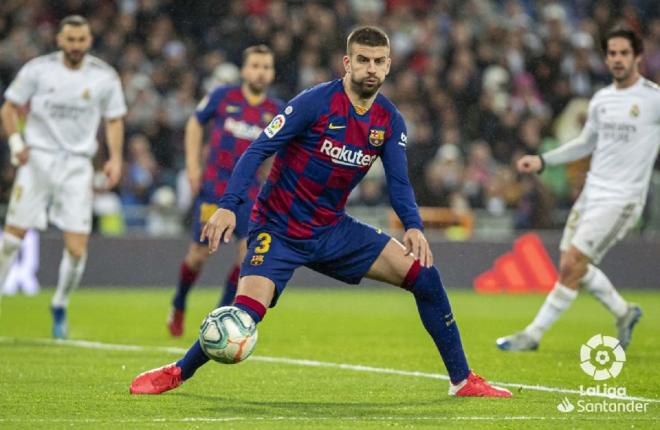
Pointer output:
x,y
376,137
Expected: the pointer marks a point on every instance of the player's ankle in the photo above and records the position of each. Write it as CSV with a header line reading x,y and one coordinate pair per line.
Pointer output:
x,y
535,332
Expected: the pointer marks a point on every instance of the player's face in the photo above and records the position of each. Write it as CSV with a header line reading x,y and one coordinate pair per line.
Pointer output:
x,y
367,67
74,41
258,72
620,59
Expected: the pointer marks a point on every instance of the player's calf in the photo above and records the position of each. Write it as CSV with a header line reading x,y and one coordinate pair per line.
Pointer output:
x,y
437,317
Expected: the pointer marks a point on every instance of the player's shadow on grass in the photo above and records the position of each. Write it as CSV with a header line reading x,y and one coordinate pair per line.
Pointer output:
x,y
234,406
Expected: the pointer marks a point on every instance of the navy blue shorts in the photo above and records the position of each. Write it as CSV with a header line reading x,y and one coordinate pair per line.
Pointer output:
x,y
206,207
345,252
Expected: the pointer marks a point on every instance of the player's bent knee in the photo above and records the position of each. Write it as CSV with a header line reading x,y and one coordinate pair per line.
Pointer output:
x,y
15,231
572,270
76,251
197,256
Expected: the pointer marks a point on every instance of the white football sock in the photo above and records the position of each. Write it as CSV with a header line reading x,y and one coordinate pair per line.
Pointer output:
x,y
71,271
597,283
9,246
560,298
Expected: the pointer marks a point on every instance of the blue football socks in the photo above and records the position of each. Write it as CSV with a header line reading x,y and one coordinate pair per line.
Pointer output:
x,y
186,280
438,319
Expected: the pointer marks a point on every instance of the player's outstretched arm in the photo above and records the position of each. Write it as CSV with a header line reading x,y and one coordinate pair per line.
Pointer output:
x,y
114,133
417,245
530,164
193,146
219,227
395,164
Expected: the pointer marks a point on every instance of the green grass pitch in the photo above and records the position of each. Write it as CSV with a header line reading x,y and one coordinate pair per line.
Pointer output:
x,y
49,385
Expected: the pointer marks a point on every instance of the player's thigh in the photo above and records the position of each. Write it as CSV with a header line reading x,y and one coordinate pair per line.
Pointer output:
x,y
31,192
602,226
204,207
197,255
258,288
349,250
573,265
392,265
241,250
572,222
71,208
273,257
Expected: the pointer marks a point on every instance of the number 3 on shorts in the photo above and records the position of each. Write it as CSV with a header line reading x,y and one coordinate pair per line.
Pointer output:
x,y
264,240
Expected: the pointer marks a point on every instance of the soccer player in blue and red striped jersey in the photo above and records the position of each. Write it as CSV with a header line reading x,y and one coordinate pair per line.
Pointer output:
x,y
238,114
325,140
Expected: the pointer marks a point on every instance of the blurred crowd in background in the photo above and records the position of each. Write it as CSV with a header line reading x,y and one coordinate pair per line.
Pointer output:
x,y
479,83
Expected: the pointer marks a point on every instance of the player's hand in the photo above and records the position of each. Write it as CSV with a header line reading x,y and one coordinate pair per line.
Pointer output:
x,y
21,157
529,164
112,170
417,245
220,226
194,174
19,151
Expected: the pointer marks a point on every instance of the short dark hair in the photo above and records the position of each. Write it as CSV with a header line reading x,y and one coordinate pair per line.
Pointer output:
x,y
73,20
369,36
257,49
634,39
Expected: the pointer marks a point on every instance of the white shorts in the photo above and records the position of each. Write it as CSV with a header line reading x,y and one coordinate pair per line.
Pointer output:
x,y
594,227
55,186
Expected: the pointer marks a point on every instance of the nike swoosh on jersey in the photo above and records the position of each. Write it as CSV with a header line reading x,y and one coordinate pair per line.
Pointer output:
x,y
332,126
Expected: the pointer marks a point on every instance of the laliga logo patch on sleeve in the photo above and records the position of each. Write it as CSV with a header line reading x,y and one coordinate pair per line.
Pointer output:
x,y
202,104
275,126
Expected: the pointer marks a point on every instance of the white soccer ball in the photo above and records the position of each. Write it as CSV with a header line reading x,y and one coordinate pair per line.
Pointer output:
x,y
228,335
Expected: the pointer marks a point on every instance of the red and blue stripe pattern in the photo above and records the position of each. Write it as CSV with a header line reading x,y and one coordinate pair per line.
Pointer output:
x,y
235,124
324,148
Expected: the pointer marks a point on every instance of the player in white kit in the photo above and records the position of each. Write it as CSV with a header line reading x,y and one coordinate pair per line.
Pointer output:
x,y
622,134
68,93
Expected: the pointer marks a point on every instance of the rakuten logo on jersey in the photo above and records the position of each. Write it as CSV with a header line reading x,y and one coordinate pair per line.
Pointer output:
x,y
346,156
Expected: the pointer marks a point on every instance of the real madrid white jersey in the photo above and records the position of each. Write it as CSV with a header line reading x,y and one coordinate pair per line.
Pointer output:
x,y
623,134
66,105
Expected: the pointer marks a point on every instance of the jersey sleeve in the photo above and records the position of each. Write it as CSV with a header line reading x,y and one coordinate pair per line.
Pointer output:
x,y
114,105
209,104
294,119
395,162
579,147
23,86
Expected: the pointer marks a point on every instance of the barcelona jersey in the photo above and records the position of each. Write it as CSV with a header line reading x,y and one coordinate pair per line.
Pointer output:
x,y
235,124
323,148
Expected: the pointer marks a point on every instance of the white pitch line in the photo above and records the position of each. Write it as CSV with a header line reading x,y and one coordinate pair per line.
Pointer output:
x,y
315,419
313,363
